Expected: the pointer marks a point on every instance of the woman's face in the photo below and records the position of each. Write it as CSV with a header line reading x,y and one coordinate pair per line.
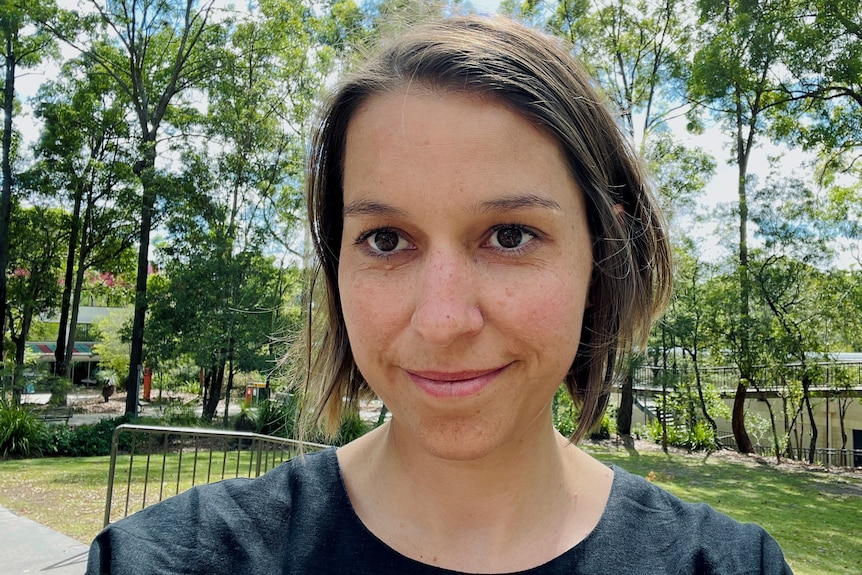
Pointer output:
x,y
464,270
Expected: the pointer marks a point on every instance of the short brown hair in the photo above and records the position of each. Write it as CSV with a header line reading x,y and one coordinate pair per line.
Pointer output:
x,y
536,77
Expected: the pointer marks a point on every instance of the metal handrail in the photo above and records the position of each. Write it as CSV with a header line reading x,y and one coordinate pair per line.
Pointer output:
x,y
263,452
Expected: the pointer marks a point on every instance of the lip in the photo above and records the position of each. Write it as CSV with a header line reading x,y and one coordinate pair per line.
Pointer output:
x,y
454,384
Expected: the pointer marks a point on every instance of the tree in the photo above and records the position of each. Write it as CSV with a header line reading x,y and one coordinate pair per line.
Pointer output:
x,y
25,44
686,320
792,284
83,158
736,78
826,61
36,260
153,51
637,51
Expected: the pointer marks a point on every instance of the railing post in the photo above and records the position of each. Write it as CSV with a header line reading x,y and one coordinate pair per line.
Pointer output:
x,y
111,469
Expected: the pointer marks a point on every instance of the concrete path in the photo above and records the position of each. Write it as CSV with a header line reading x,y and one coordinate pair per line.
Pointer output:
x,y
27,547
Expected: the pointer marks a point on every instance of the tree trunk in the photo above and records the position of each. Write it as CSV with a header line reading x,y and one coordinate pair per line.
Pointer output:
x,y
148,201
624,414
702,400
73,323
61,363
806,397
83,252
216,380
20,340
6,193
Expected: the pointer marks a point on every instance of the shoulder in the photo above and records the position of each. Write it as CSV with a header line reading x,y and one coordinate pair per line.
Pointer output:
x,y
207,528
682,537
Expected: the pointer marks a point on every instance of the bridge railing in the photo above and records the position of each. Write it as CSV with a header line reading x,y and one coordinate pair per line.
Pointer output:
x,y
826,456
151,463
725,379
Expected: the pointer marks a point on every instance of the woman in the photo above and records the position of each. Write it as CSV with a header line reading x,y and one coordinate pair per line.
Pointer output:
x,y
484,233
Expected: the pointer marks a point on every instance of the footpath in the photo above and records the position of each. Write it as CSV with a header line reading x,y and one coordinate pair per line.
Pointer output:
x,y
27,547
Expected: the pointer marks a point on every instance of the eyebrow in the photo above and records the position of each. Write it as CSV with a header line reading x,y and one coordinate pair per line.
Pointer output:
x,y
372,208
518,202
504,204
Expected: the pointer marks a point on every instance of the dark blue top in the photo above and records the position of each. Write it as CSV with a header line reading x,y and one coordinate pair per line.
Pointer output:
x,y
297,519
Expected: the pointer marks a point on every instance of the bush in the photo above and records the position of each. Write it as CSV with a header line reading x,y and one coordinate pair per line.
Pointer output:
x,y
277,417
84,440
180,414
699,437
607,426
22,434
565,414
352,427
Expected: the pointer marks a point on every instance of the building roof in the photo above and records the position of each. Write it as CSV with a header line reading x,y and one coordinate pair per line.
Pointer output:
x,y
45,350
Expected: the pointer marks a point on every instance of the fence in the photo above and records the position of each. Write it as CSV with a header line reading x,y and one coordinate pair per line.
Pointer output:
x,y
159,462
834,377
825,456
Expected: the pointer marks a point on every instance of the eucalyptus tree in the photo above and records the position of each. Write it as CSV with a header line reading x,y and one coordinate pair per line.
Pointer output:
x,y
638,53
84,161
737,78
155,52
25,44
797,283
686,319
250,167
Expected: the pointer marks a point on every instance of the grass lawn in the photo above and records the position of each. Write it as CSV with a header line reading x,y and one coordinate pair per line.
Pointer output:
x,y
815,516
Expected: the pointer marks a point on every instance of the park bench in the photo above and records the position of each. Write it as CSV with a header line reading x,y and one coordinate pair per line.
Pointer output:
x,y
54,414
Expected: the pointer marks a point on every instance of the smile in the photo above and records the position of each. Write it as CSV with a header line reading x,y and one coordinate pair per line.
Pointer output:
x,y
454,384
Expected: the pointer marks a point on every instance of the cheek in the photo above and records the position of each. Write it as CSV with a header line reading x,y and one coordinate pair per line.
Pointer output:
x,y
372,312
549,322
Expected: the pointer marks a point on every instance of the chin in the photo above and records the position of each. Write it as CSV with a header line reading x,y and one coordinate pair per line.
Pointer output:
x,y
459,439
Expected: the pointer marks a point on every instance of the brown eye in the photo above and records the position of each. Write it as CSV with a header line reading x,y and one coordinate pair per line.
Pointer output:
x,y
384,240
510,237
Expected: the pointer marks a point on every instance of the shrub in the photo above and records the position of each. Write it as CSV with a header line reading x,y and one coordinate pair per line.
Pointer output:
x,y
84,440
606,427
352,427
699,437
565,414
181,414
277,417
21,432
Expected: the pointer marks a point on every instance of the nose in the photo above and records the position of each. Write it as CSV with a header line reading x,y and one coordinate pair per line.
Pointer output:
x,y
447,307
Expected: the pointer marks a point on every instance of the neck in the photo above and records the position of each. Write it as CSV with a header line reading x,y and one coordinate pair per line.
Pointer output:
x,y
508,478
509,503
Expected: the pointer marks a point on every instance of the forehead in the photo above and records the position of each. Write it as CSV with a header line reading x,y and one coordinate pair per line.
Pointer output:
x,y
432,141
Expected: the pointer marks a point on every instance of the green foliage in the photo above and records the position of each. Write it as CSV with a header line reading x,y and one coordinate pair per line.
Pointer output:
x,y
607,427
58,386
277,416
352,427
698,437
180,414
113,346
22,434
83,440
564,412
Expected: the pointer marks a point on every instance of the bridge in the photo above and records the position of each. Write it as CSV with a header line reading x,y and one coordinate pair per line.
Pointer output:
x,y
831,379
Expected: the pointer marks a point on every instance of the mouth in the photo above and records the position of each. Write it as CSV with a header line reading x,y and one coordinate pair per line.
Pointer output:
x,y
454,384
